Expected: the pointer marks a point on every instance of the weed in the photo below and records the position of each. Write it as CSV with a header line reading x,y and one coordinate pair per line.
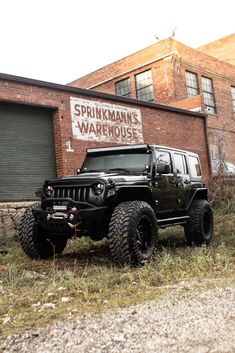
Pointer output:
x,y
84,278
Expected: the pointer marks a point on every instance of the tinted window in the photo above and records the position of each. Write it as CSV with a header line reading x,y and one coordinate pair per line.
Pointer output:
x,y
130,161
164,158
194,166
180,163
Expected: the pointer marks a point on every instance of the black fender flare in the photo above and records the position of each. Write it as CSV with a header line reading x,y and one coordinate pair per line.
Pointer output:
x,y
135,192
196,194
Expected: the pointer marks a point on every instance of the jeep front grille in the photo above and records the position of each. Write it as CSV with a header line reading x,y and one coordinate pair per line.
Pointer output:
x,y
75,193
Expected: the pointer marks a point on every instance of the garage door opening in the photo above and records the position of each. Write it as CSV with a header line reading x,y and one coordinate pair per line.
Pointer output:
x,y
27,155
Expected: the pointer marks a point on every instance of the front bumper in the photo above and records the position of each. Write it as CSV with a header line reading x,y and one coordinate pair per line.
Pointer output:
x,y
68,213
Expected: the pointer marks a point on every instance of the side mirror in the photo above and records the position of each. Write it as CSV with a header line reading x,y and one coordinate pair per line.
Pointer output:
x,y
78,171
163,168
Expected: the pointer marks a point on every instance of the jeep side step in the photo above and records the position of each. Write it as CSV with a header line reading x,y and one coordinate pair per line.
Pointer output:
x,y
168,222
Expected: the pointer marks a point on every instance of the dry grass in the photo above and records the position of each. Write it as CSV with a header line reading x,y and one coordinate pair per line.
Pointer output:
x,y
84,278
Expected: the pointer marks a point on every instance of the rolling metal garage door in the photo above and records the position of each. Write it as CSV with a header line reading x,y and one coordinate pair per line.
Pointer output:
x,y
26,151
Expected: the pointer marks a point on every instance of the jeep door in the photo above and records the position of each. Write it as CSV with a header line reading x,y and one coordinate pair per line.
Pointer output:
x,y
182,179
163,188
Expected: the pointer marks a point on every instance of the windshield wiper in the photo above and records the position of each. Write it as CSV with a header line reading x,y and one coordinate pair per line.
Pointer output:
x,y
118,170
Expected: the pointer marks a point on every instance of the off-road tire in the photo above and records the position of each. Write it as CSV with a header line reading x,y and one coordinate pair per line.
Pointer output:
x,y
35,243
132,233
199,227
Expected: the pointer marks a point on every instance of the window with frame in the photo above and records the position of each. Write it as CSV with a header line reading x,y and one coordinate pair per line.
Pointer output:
x,y
123,87
144,86
233,99
194,166
164,158
180,164
191,84
208,95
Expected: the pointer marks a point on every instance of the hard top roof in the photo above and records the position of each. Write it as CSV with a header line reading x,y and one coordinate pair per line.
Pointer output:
x,y
143,146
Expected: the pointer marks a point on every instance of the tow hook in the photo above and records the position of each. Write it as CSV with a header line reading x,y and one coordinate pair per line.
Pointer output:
x,y
72,215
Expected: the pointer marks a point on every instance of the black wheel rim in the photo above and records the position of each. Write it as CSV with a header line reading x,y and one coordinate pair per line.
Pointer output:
x,y
144,236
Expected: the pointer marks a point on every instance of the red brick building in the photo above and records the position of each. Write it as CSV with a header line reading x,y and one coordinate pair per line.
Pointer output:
x,y
223,49
171,73
46,128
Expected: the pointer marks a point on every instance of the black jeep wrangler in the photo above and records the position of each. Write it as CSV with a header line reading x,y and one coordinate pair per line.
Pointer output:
x,y
122,193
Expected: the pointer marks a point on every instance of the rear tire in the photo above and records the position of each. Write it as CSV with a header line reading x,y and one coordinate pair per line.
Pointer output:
x,y
34,240
132,233
199,227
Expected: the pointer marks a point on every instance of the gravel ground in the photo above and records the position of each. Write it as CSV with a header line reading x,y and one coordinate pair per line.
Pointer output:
x,y
201,321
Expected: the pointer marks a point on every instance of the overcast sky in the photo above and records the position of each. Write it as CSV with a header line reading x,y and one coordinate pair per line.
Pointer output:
x,y
61,40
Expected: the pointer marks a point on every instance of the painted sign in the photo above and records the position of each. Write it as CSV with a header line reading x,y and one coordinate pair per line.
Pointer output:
x,y
97,121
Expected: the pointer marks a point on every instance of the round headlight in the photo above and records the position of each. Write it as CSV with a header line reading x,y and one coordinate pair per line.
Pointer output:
x,y
49,190
98,188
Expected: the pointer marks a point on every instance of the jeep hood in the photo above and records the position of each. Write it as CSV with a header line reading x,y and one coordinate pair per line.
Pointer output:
x,y
90,178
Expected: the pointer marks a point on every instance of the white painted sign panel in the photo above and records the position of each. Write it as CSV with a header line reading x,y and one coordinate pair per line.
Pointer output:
x,y
104,122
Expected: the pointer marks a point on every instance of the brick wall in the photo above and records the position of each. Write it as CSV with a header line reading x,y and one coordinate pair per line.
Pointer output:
x,y
223,49
160,125
188,103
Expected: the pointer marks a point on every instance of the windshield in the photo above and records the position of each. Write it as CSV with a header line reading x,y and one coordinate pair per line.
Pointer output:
x,y
122,161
